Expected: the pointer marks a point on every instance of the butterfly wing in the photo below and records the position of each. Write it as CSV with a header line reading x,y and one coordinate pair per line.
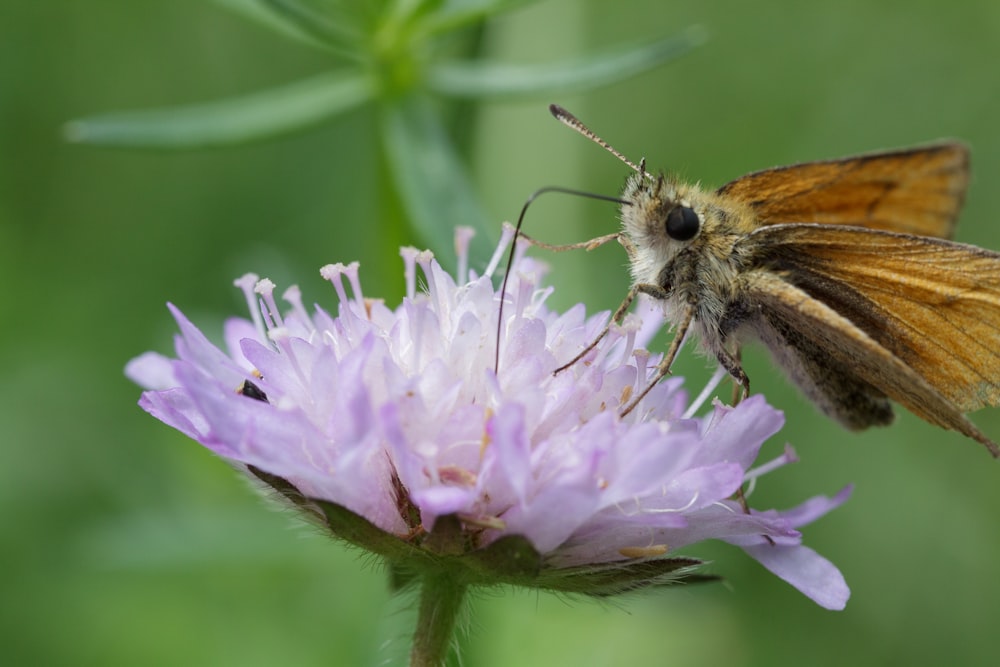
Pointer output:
x,y
916,318
915,191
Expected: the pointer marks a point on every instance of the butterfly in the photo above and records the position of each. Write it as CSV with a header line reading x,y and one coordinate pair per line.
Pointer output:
x,y
843,269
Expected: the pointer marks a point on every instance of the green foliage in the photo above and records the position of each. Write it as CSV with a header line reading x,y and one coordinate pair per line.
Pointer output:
x,y
399,58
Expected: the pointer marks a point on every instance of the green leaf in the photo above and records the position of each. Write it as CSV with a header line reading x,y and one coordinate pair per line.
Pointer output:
x,y
484,79
297,21
431,180
621,577
359,531
259,12
455,14
511,559
235,120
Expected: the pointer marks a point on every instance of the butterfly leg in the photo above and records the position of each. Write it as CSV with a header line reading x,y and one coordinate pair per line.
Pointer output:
x,y
741,386
741,389
663,368
654,291
582,245
733,366
588,245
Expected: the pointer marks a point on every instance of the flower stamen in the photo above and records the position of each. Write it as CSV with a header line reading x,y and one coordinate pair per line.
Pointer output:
x,y
246,283
265,288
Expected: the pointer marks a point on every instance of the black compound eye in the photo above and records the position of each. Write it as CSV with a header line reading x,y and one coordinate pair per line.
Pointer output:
x,y
683,223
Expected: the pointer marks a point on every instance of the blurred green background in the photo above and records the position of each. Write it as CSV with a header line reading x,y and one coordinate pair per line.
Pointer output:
x,y
125,544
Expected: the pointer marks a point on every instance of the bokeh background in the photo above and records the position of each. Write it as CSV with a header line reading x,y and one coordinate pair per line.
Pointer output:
x,y
124,544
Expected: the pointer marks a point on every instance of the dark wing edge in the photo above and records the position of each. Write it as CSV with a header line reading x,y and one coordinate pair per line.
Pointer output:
x,y
848,345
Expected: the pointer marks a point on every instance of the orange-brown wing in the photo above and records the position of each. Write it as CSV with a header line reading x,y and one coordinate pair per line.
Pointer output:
x,y
934,304
915,191
808,319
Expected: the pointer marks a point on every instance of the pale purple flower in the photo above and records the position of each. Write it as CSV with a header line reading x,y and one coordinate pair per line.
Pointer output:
x,y
398,416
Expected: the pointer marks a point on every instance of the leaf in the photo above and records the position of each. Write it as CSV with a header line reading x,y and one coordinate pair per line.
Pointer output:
x,y
455,14
485,79
293,19
235,120
432,180
359,531
621,577
511,559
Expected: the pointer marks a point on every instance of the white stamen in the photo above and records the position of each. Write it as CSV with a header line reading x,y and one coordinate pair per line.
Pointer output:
x,y
354,278
713,383
463,235
265,287
246,284
505,236
786,457
293,296
409,255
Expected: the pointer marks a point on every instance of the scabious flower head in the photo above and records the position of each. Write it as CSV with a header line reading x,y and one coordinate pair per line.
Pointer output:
x,y
396,429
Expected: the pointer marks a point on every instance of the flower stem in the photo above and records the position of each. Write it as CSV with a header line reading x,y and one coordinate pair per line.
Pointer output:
x,y
440,601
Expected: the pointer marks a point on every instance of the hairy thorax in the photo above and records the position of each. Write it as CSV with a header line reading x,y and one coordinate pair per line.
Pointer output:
x,y
703,271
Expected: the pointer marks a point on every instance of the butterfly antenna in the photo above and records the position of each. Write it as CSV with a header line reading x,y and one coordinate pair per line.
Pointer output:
x,y
574,123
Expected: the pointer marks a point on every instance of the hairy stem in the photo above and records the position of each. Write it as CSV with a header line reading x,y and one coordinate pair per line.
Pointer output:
x,y
440,602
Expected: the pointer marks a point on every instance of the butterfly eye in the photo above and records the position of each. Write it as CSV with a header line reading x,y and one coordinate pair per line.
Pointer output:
x,y
683,223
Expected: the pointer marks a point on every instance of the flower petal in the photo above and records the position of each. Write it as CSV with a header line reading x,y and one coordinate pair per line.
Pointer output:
x,y
816,577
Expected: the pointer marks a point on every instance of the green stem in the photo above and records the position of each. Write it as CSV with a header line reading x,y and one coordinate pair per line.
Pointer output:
x,y
440,601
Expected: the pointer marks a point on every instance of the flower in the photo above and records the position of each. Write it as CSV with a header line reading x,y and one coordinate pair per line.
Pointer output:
x,y
395,429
